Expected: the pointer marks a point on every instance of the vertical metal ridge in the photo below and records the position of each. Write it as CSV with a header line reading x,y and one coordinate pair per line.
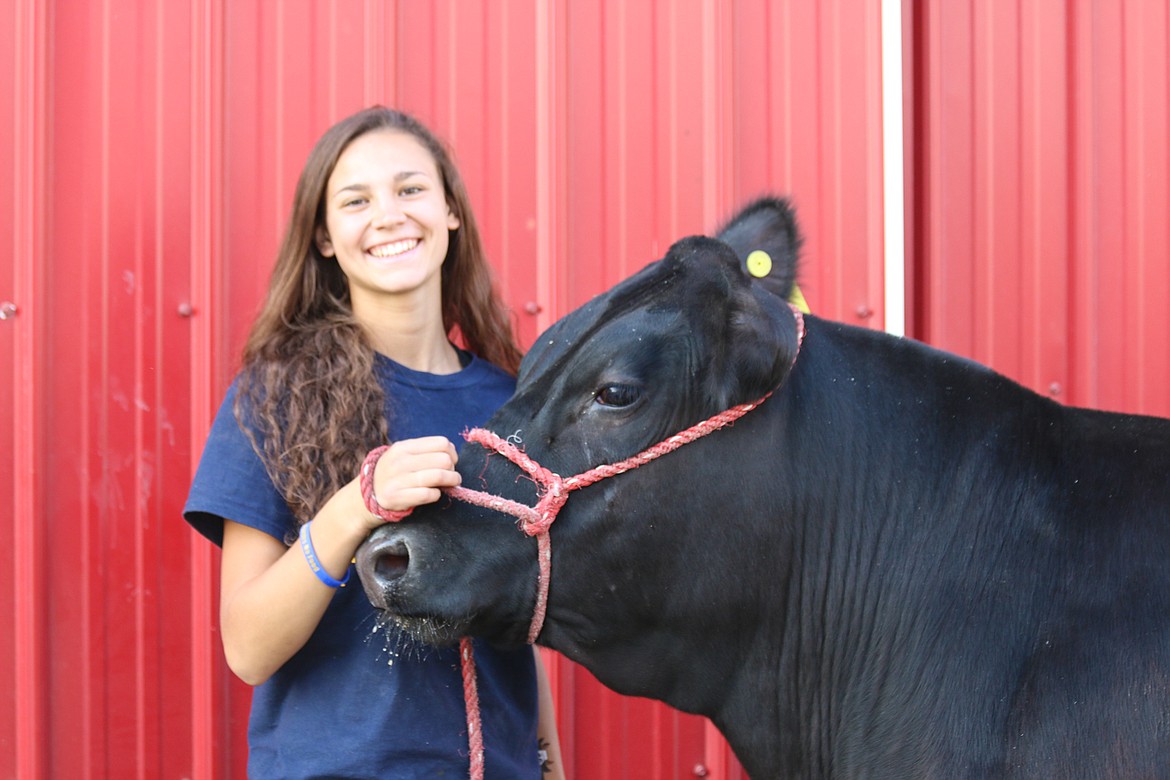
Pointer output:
x,y
145,581
1128,184
153,479
28,248
1147,65
550,118
380,36
95,422
717,117
832,165
280,109
206,160
1082,316
620,134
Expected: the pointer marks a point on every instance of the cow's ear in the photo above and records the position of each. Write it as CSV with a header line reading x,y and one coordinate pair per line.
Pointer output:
x,y
761,346
767,241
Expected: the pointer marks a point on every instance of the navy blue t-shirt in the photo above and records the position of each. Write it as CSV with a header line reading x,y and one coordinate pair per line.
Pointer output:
x,y
358,700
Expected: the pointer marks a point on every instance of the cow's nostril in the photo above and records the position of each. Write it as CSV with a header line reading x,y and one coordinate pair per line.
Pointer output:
x,y
382,562
392,564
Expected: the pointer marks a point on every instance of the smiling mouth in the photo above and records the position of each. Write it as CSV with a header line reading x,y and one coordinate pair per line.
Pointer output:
x,y
384,251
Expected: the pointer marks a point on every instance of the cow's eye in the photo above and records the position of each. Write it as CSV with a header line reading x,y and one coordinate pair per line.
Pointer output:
x,y
617,395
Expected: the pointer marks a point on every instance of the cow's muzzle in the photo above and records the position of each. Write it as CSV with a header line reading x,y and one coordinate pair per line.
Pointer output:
x,y
382,562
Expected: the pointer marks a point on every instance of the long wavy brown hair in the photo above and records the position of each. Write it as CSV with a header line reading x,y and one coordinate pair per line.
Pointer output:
x,y
307,393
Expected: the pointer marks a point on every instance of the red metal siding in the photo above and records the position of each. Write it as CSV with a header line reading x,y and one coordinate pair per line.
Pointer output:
x,y
1121,211
117,357
153,149
22,335
1042,203
675,117
159,145
672,118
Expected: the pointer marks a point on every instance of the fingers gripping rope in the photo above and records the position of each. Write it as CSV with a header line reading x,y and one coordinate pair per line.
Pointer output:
x,y
366,482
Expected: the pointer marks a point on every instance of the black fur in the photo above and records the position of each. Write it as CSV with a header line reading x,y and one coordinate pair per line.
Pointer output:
x,y
901,565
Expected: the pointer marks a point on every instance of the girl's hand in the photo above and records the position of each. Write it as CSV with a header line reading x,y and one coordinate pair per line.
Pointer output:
x,y
413,472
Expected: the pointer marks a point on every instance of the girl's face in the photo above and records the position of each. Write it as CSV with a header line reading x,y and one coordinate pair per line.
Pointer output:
x,y
386,219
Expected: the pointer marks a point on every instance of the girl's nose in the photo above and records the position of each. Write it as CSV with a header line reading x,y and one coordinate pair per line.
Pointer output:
x,y
388,211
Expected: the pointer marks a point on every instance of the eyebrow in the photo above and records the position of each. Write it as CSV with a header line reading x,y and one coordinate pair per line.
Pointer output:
x,y
361,185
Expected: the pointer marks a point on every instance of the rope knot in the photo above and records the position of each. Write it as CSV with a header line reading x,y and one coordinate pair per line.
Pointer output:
x,y
549,506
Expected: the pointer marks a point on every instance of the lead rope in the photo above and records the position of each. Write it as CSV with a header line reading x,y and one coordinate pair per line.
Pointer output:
x,y
471,708
536,521
466,651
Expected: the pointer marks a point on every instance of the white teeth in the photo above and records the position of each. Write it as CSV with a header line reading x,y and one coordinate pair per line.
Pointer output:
x,y
396,248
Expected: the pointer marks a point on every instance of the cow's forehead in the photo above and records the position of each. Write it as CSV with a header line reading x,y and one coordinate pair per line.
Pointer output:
x,y
697,273
614,348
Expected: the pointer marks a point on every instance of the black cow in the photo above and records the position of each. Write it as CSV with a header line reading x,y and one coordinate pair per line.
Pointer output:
x,y
901,564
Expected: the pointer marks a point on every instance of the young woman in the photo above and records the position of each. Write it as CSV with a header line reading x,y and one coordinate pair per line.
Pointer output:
x,y
380,264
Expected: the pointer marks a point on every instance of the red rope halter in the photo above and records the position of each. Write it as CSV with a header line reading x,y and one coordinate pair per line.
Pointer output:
x,y
536,520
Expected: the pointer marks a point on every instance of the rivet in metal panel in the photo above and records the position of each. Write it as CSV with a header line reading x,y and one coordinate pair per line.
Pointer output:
x,y
186,310
700,771
1055,388
532,307
864,312
8,310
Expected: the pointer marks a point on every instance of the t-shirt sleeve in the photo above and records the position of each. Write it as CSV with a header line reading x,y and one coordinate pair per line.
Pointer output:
x,y
231,483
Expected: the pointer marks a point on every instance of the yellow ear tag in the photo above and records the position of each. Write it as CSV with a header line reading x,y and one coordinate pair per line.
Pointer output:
x,y
759,264
796,298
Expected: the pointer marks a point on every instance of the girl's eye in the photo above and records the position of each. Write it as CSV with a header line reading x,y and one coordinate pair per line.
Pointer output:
x,y
411,189
353,202
617,395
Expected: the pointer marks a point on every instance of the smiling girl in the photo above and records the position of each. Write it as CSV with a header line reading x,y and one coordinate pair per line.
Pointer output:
x,y
381,263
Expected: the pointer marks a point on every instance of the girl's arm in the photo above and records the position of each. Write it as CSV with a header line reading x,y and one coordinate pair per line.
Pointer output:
x,y
271,600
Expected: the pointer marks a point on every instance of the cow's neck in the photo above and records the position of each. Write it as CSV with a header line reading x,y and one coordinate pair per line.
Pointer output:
x,y
797,653
873,538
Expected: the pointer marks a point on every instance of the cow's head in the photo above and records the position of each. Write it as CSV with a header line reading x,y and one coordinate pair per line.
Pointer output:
x,y
687,337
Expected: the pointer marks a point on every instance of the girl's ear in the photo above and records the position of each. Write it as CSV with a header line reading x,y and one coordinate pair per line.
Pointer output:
x,y
324,245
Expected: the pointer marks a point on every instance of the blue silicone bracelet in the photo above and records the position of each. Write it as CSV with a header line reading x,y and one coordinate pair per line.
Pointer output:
x,y
314,564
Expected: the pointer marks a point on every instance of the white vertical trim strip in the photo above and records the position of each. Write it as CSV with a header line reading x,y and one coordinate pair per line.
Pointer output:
x,y
893,173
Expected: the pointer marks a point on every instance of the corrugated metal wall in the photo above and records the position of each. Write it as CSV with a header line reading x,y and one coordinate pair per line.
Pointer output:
x,y
1042,145
153,146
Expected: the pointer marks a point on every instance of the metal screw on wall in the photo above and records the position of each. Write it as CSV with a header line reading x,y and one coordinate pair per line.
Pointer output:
x,y
8,310
700,771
